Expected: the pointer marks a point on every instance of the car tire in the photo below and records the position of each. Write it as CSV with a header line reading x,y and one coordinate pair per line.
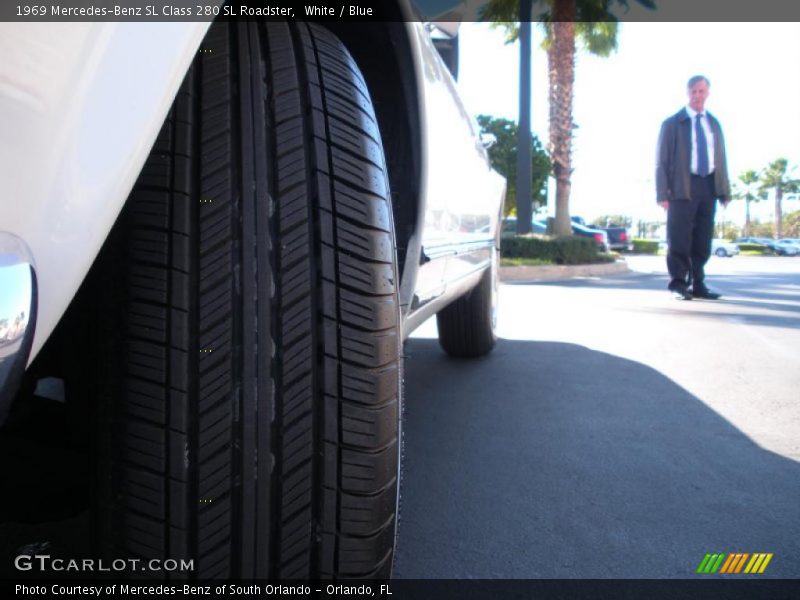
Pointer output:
x,y
467,326
721,252
251,375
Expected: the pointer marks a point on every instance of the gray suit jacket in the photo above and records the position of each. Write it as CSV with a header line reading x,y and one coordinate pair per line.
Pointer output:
x,y
674,156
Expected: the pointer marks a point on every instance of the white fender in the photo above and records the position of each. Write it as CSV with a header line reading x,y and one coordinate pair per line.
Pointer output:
x,y
80,107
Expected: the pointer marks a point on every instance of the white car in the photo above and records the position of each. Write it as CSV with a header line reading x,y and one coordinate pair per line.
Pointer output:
x,y
724,248
218,236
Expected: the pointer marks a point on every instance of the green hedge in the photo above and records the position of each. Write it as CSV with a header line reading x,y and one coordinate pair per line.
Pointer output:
x,y
645,246
753,248
565,250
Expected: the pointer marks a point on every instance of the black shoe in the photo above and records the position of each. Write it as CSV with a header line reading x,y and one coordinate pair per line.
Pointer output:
x,y
680,292
705,294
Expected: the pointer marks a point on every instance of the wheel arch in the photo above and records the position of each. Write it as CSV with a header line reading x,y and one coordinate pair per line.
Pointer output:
x,y
82,107
385,52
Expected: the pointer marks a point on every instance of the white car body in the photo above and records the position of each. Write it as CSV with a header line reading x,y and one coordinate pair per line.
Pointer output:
x,y
82,103
724,248
80,106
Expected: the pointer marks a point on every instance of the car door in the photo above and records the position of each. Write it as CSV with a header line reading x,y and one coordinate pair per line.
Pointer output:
x,y
464,195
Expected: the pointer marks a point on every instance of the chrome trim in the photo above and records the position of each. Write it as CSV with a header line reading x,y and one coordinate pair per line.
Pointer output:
x,y
456,248
18,304
454,289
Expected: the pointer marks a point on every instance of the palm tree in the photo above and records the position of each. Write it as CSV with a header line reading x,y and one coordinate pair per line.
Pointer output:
x,y
600,39
776,176
745,190
564,21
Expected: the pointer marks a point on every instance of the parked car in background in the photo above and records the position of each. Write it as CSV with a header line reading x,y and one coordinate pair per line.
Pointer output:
x,y
204,237
787,246
763,244
618,238
510,226
724,248
598,235
759,241
782,247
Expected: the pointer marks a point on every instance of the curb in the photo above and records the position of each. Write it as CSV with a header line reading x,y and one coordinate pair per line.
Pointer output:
x,y
547,272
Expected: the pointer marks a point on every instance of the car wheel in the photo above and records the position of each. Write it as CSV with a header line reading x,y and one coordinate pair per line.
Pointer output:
x,y
720,252
251,378
467,326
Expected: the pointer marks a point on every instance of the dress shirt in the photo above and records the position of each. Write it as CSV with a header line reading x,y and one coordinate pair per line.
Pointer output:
x,y
709,141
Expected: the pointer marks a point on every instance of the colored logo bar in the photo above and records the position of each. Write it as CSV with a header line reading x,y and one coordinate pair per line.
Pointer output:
x,y
734,563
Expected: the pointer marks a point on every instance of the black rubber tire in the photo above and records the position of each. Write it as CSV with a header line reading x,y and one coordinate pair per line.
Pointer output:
x,y
467,325
721,252
252,379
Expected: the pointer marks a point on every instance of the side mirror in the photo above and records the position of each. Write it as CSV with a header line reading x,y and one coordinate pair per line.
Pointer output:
x,y
488,140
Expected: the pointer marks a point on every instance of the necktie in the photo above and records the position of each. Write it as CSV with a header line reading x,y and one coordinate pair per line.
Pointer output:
x,y
702,147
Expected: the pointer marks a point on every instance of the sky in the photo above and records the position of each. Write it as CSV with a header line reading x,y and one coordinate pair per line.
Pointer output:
x,y
620,102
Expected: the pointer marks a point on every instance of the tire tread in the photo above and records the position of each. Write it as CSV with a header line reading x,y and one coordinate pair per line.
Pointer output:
x,y
323,402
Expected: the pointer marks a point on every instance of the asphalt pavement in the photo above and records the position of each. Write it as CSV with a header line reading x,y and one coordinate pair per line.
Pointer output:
x,y
613,432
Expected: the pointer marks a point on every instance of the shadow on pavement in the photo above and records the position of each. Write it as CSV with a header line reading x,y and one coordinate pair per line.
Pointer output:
x,y
544,460
550,460
45,468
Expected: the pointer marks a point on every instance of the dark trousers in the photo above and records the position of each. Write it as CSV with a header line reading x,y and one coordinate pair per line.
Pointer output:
x,y
690,229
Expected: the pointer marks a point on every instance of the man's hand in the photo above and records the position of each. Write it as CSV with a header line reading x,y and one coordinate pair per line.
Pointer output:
x,y
664,204
725,202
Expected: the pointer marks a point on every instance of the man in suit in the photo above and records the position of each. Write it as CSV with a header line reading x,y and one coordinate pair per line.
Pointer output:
x,y
691,175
